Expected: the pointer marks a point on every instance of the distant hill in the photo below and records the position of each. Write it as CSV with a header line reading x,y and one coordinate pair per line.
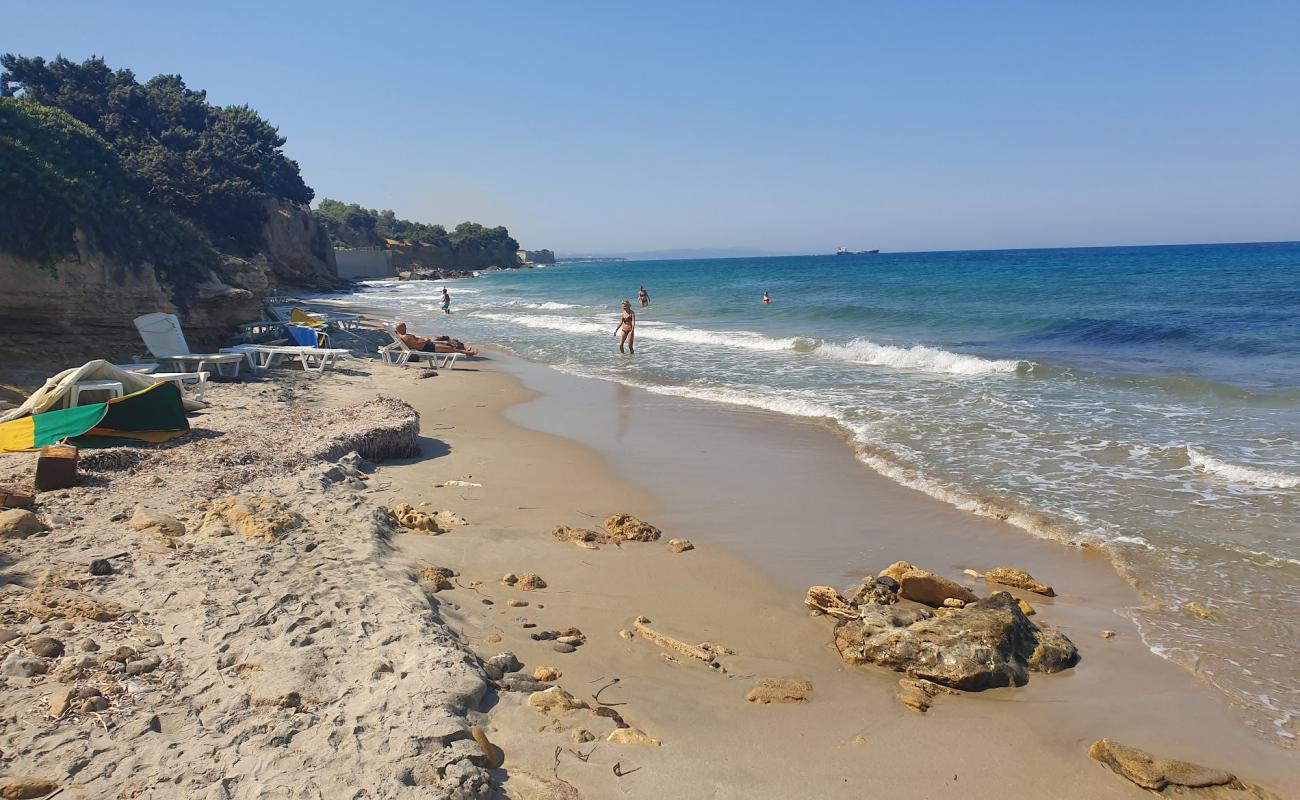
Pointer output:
x,y
672,255
418,245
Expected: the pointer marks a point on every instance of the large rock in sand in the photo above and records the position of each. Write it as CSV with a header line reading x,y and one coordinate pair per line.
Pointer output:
x,y
1018,578
19,523
261,519
628,528
554,699
1181,777
25,788
930,589
988,643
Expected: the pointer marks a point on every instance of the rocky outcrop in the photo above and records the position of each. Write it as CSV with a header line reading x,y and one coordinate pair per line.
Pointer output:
x,y
1018,578
83,307
985,644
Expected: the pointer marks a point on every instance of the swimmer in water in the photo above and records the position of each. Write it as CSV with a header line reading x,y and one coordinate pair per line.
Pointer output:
x,y
644,297
767,299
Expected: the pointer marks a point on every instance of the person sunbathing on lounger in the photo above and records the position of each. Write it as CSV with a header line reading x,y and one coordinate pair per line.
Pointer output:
x,y
423,345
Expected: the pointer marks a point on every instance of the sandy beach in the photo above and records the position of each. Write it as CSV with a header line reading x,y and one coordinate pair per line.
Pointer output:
x,y
310,658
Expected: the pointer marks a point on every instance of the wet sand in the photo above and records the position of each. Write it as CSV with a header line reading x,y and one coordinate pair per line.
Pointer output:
x,y
772,505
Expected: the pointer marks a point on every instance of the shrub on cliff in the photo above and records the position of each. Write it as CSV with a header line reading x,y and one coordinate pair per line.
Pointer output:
x,y
470,245
57,177
213,166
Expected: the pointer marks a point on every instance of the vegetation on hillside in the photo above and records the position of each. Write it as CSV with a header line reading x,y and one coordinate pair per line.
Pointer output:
x,y
58,176
469,244
213,167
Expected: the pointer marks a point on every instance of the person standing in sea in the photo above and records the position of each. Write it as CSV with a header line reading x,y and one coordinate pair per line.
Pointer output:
x,y
627,329
644,297
446,301
767,299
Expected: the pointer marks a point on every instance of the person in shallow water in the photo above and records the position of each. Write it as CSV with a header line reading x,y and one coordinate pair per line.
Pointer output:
x,y
767,299
442,344
627,328
644,297
446,301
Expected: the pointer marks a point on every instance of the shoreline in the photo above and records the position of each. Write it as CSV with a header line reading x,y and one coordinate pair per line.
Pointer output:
x,y
852,734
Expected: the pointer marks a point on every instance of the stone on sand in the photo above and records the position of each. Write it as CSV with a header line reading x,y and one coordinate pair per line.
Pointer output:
x,y
46,604
1159,774
515,602
625,527
1019,579
925,587
529,581
163,528
61,699
19,523
260,519
581,736
631,736
989,643
16,665
554,699
546,674
680,545
435,579
825,600
1027,609
45,647
780,690
895,571
918,694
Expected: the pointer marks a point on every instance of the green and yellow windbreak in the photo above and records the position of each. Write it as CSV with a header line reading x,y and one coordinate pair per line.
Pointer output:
x,y
155,414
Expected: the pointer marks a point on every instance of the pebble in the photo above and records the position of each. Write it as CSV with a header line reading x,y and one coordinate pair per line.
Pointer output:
x,y
561,647
626,633
89,646
581,736
8,635
488,602
19,666
573,640
1108,634
146,637
492,638
101,566
954,602
546,674
516,603
94,704
67,625
142,666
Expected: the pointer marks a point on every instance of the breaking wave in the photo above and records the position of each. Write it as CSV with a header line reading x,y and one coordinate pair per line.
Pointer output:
x,y
920,358
1237,473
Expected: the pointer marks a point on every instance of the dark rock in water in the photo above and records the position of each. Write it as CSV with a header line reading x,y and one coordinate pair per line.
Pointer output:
x,y
100,566
989,643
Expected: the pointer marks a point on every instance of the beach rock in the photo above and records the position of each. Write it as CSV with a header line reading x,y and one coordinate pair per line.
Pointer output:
x,y
581,736
259,519
1025,608
143,665
889,583
522,683
1019,579
528,581
546,674
89,646
516,603
166,530
510,579
627,633
562,647
45,647
576,641
926,587
919,694
92,704
1108,634
780,690
25,788
506,662
101,567
1200,611
47,604
147,637
680,545
61,699
895,571
990,643
631,736
17,665
19,523
1159,774
953,602
580,536
875,590
554,699
626,527
8,635
825,600
435,580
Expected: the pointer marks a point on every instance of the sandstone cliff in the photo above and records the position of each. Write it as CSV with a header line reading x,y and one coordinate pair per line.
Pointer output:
x,y
83,308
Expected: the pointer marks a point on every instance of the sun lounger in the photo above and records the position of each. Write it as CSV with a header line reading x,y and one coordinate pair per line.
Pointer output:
x,y
262,357
397,353
163,336
180,379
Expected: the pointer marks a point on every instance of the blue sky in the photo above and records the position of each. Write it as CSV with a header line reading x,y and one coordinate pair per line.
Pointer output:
x,y
612,126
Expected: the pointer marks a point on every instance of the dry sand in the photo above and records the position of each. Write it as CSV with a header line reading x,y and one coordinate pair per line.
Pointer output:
x,y
315,665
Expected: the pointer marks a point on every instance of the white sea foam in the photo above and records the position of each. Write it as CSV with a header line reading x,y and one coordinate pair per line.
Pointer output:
x,y
917,358
1237,473
745,340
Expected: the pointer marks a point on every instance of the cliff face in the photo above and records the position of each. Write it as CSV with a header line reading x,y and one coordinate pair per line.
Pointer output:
x,y
417,255
84,308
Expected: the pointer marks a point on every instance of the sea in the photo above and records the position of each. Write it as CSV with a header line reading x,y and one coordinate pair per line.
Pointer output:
x,y
1145,400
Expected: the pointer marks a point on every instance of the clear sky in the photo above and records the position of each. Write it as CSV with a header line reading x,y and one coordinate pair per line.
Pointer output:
x,y
786,127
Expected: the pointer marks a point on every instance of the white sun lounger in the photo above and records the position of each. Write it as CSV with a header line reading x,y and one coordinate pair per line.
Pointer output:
x,y
163,336
398,354
262,357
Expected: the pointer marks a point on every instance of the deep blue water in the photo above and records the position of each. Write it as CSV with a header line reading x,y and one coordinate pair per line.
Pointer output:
x,y
1144,399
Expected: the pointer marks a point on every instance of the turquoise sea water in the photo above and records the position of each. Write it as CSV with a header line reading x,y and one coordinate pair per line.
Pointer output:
x,y
1145,399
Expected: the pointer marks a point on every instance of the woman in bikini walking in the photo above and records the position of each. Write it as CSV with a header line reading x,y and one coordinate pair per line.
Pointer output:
x,y
627,329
